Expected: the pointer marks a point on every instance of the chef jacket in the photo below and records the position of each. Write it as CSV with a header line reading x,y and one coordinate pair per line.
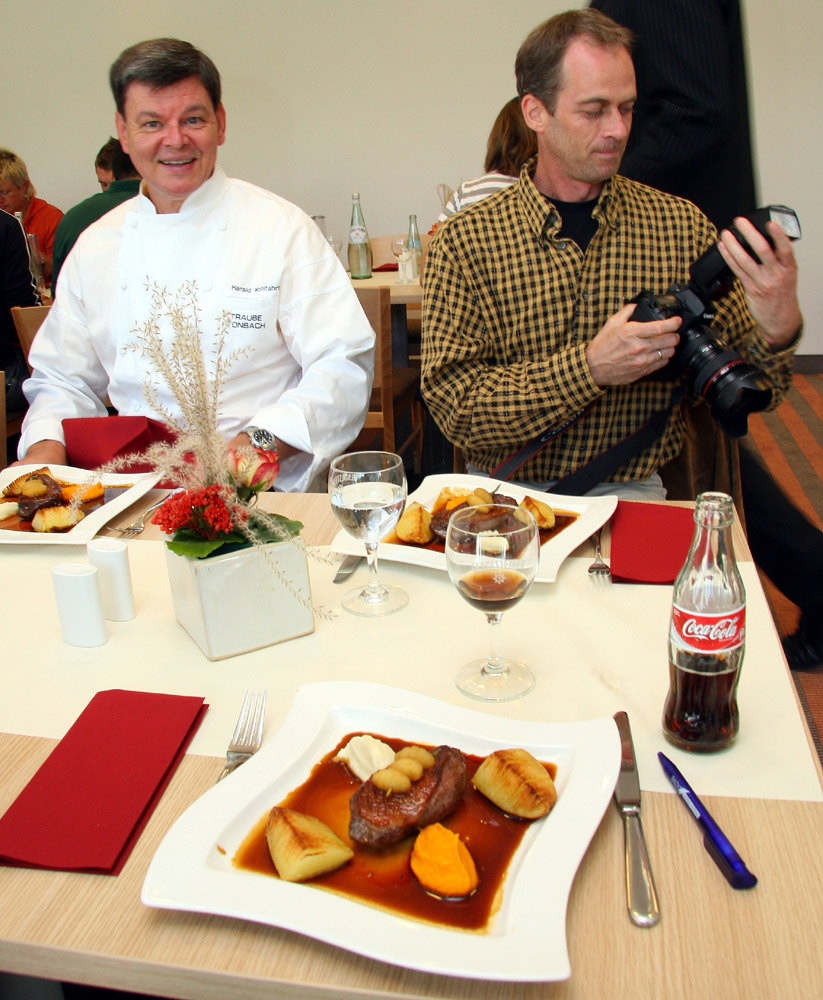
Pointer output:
x,y
307,361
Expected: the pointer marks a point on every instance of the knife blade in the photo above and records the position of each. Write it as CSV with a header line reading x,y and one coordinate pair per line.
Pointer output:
x,y
641,892
346,568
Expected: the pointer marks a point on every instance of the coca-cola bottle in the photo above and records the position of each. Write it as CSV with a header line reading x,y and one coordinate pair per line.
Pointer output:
x,y
707,635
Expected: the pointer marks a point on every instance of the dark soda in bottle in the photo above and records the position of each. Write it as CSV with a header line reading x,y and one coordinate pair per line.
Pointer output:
x,y
707,635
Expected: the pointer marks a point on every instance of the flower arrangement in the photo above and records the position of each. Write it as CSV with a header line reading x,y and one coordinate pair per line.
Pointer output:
x,y
215,508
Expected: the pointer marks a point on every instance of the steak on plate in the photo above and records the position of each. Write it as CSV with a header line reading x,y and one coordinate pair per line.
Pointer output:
x,y
379,819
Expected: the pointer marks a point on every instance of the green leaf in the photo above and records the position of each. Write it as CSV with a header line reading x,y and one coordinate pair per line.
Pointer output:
x,y
188,543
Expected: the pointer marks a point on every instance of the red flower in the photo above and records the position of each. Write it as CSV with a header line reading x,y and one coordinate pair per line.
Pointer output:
x,y
204,511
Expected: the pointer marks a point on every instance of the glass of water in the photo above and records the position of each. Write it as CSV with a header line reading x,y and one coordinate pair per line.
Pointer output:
x,y
368,494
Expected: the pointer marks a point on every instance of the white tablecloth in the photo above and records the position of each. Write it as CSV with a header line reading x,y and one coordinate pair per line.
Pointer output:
x,y
595,648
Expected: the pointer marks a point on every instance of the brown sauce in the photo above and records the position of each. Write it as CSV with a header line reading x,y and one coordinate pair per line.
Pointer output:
x,y
383,878
109,493
562,519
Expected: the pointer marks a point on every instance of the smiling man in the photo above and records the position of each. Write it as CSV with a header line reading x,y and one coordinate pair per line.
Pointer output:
x,y
302,377
526,331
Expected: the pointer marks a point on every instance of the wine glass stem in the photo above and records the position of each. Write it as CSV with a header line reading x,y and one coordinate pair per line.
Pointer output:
x,y
373,587
494,664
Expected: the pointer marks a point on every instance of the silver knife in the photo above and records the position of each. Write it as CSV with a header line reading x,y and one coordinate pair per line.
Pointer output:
x,y
640,888
346,568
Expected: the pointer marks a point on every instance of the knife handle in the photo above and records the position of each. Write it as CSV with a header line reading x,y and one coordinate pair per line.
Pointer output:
x,y
640,888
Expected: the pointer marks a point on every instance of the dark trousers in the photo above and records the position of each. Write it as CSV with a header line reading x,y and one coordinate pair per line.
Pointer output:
x,y
785,545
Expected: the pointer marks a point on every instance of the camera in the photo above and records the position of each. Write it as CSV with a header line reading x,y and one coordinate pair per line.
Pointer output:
x,y
713,370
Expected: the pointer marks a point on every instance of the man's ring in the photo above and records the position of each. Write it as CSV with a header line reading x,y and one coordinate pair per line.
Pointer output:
x,y
659,354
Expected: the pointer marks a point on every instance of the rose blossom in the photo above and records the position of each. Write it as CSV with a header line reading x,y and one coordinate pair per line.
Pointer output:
x,y
254,468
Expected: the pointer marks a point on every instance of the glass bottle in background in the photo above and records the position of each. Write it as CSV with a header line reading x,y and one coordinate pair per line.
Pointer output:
x,y
417,249
707,635
359,245
35,266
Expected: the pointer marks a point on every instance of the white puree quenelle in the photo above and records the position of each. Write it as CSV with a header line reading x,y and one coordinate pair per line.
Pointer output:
x,y
365,755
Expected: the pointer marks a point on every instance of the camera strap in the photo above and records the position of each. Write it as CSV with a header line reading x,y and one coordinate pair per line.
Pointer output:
x,y
601,466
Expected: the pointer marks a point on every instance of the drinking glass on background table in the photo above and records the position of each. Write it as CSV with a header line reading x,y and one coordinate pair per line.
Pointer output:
x,y
368,494
492,554
402,251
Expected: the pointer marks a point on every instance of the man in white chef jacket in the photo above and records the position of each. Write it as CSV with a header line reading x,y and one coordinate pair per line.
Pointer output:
x,y
303,386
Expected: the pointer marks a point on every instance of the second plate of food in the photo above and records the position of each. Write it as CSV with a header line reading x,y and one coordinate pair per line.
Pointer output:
x,y
576,519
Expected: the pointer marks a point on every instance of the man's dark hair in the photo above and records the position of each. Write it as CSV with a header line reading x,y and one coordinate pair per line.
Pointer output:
x,y
539,62
161,62
121,166
103,159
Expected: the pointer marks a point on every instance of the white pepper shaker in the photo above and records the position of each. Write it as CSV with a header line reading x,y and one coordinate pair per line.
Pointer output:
x,y
78,604
111,557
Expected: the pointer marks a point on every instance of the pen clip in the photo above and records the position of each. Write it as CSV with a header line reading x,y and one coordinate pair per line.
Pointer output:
x,y
736,873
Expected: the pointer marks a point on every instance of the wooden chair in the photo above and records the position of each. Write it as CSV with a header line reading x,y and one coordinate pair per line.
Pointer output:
x,y
395,391
27,320
10,424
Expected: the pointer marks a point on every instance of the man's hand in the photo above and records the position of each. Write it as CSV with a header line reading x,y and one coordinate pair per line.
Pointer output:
x,y
771,285
44,453
623,352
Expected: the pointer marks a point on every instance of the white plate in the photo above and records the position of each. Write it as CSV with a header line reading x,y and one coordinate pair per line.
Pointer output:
x,y
593,514
527,936
91,523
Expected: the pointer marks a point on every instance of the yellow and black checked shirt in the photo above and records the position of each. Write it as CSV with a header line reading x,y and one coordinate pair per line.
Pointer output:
x,y
509,308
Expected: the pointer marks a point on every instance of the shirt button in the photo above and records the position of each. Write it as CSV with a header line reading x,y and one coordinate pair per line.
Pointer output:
x,y
133,223
221,226
561,244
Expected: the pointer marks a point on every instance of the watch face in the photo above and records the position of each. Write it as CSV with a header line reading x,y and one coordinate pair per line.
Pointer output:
x,y
264,439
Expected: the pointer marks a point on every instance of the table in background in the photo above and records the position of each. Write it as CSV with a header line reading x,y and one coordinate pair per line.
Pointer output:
x,y
402,295
761,943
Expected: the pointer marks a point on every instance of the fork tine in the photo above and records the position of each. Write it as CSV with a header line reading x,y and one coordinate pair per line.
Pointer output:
x,y
242,719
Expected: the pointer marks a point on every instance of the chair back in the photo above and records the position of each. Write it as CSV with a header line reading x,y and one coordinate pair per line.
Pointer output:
x,y
27,321
10,424
376,304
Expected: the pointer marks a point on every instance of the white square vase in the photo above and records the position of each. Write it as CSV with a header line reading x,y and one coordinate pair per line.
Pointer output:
x,y
234,603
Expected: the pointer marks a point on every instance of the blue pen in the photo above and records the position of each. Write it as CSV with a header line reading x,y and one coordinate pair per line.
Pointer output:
x,y
714,840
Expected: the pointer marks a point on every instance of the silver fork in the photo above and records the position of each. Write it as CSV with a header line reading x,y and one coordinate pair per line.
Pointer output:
x,y
599,567
139,523
248,733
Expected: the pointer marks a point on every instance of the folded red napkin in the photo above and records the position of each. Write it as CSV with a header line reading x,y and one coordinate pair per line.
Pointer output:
x,y
94,441
649,542
385,267
88,803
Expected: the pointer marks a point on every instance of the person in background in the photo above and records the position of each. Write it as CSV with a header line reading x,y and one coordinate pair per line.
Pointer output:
x,y
509,145
526,330
125,185
102,162
16,289
691,137
303,350
17,194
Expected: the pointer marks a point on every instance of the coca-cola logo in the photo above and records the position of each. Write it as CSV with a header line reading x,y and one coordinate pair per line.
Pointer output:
x,y
709,633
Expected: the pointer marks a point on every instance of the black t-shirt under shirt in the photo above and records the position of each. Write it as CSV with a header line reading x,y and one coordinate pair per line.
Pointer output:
x,y
576,220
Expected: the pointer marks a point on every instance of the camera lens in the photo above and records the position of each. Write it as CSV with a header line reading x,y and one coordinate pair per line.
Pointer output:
x,y
727,383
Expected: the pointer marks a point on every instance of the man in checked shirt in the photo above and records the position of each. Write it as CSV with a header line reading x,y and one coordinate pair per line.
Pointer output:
x,y
525,322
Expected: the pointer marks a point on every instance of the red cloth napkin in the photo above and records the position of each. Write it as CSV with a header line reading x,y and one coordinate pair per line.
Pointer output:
x,y
385,267
88,803
649,542
94,441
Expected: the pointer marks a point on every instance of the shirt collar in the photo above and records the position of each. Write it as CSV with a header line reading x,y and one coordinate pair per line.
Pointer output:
x,y
541,213
206,196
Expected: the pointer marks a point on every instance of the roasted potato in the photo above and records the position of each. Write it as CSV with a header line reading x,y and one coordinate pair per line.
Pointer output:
x,y
56,518
303,847
414,525
15,486
517,783
540,511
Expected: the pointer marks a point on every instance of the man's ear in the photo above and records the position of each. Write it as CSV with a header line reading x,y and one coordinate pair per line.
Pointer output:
x,y
534,112
122,134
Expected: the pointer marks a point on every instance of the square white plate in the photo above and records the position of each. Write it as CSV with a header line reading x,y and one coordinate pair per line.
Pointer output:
x,y
593,513
91,523
526,939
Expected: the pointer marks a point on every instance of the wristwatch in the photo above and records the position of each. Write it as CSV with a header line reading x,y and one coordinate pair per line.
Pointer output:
x,y
263,439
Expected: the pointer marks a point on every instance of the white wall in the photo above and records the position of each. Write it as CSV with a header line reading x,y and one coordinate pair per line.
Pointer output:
x,y
325,98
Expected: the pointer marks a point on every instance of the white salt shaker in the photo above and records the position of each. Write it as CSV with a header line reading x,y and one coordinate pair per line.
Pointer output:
x,y
78,604
111,557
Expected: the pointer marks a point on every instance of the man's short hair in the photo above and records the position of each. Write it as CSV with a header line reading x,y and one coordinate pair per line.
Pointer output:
x,y
160,62
539,61
103,159
12,169
122,168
